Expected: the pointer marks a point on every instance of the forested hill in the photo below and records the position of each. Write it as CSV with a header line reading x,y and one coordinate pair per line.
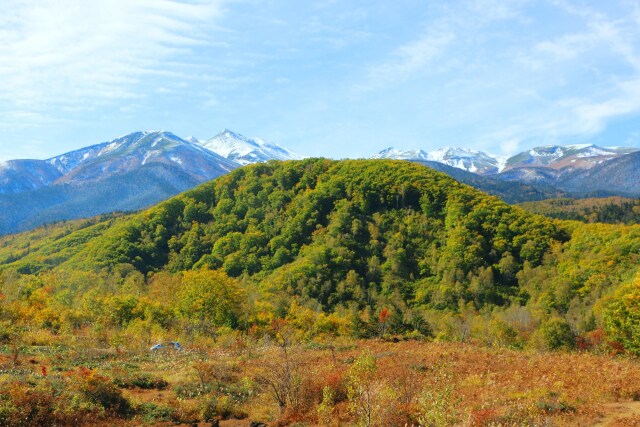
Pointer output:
x,y
334,231
359,235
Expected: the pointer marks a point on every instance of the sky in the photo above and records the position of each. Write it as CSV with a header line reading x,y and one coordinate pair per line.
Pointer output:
x,y
324,78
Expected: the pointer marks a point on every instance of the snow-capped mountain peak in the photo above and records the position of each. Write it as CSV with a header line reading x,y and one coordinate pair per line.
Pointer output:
x,y
468,159
243,150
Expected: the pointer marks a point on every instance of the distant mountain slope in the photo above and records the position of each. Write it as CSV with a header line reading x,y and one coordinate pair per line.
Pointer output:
x,y
243,150
534,175
128,173
619,176
583,156
17,176
555,157
613,176
553,165
584,170
126,191
139,149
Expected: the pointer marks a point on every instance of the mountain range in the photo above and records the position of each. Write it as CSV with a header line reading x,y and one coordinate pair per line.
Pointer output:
x,y
128,173
577,170
143,168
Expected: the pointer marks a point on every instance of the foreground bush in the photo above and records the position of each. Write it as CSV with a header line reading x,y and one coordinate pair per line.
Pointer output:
x,y
71,399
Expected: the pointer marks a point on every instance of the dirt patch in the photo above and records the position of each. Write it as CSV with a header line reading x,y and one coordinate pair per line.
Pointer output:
x,y
620,414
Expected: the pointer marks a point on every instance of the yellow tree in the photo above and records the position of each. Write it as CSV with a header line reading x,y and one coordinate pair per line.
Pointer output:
x,y
210,297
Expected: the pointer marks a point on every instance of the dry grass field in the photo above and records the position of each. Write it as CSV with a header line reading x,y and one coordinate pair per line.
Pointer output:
x,y
369,382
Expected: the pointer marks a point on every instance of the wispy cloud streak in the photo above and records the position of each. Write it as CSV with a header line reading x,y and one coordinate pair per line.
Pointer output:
x,y
70,52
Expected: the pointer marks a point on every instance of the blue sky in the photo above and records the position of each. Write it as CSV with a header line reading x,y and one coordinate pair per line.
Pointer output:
x,y
324,78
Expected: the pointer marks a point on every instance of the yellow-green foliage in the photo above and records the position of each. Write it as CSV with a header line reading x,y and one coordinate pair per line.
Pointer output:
x,y
363,389
47,246
615,210
211,297
622,316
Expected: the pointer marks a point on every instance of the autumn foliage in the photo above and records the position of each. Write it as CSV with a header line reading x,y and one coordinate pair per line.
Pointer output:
x,y
274,264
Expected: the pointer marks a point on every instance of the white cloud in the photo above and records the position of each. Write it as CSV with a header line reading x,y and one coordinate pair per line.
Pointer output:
x,y
592,116
567,47
74,52
407,61
566,117
411,58
598,35
26,119
447,36
580,80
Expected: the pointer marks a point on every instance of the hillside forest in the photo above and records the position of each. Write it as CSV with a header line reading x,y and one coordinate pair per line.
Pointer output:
x,y
282,264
